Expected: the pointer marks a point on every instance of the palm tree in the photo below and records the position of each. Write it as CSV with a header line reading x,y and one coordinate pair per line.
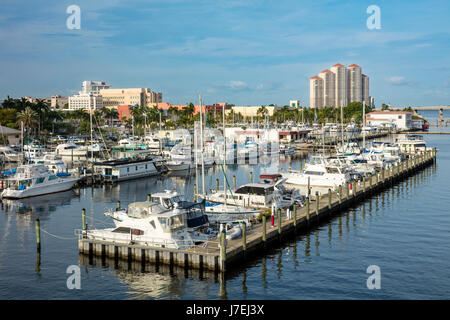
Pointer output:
x,y
28,117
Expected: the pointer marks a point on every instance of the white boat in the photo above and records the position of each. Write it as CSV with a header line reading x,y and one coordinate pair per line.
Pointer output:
x,y
412,143
286,149
317,175
8,154
53,162
195,215
35,180
126,169
69,149
152,142
33,151
247,150
147,223
181,152
178,165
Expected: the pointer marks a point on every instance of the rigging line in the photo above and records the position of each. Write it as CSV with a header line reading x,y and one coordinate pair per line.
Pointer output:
x,y
57,237
101,134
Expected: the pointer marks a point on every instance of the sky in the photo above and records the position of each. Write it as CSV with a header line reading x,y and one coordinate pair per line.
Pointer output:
x,y
244,52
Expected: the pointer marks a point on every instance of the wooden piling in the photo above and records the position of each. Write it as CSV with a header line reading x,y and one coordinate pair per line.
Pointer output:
x,y
329,199
294,209
234,182
118,205
317,203
195,192
244,237
149,197
38,236
223,250
279,222
264,223
307,209
251,176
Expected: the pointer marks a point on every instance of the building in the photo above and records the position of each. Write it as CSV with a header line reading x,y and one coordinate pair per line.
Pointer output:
x,y
93,86
339,86
85,102
316,92
142,97
329,88
294,103
252,111
124,112
12,135
401,119
58,101
34,100
354,86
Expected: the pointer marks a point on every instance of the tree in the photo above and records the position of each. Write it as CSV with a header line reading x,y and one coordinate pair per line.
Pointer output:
x,y
29,118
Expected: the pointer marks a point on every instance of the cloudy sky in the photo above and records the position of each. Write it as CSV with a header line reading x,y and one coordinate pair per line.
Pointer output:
x,y
245,52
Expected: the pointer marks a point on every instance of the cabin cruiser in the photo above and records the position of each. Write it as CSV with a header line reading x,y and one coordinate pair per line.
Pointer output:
x,y
53,162
69,149
349,149
10,155
317,174
247,150
178,165
130,144
350,127
195,215
147,223
152,142
33,151
286,149
34,180
181,152
411,143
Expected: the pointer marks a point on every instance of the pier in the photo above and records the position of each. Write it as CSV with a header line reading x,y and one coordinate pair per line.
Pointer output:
x,y
220,255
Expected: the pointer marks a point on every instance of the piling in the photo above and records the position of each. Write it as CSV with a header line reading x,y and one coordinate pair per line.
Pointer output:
x,y
38,236
217,185
251,176
118,205
307,209
340,194
279,222
149,197
195,192
364,185
347,190
223,249
83,221
264,229
317,203
329,199
294,209
234,182
244,237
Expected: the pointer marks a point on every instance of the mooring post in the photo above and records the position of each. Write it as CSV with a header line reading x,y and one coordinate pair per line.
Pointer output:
x,y
377,178
195,192
329,199
38,236
317,203
217,184
340,194
251,176
234,182
279,222
347,190
307,209
355,189
244,237
294,209
149,197
83,221
382,174
223,249
118,205
370,183
364,185
264,229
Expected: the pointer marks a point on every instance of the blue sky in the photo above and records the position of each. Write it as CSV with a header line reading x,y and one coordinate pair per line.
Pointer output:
x,y
242,52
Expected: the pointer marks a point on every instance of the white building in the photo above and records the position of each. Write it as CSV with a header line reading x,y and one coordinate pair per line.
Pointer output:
x,y
316,92
329,88
354,86
365,89
294,103
93,87
401,119
85,101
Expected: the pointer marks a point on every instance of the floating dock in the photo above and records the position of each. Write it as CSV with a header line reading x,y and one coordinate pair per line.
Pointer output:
x,y
220,255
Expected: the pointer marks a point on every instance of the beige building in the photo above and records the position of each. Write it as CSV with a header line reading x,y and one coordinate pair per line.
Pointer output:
x,y
252,111
354,86
341,84
329,88
316,92
142,97
85,101
60,101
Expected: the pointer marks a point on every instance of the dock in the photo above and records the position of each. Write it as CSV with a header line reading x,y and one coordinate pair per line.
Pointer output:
x,y
220,255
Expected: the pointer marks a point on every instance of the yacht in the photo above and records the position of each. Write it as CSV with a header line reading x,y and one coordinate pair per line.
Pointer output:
x,y
33,151
411,143
34,180
181,152
147,223
317,174
286,148
53,162
178,165
247,150
8,154
195,215
71,149
153,142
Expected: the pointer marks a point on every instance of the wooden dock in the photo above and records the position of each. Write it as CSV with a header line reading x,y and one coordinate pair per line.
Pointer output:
x,y
214,256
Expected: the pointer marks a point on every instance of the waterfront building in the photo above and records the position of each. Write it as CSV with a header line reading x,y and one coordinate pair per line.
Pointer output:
x,y
85,101
354,86
316,92
402,119
141,97
94,87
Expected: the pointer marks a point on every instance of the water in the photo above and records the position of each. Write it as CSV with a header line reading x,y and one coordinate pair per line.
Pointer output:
x,y
403,230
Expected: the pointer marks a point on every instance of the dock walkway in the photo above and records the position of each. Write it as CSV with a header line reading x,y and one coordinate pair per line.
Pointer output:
x,y
221,255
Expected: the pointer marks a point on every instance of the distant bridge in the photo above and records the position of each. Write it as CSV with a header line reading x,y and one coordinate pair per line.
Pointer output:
x,y
441,120
427,108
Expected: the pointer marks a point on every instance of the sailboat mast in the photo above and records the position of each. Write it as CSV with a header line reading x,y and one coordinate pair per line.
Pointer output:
x,y
364,124
201,147
224,156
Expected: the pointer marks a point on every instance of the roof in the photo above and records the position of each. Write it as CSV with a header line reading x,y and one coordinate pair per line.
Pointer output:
x,y
6,130
326,70
389,112
354,66
338,65
316,77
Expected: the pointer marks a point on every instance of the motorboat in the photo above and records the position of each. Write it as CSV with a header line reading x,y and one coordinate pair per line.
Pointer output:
x,y
53,162
71,149
411,144
127,168
152,142
33,150
178,165
34,180
181,152
8,154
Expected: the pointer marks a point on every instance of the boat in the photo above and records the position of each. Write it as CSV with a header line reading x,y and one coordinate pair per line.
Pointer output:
x,y
411,144
8,154
33,151
153,142
247,150
147,223
181,152
71,149
317,175
34,180
127,168
178,165
195,215
286,149
53,162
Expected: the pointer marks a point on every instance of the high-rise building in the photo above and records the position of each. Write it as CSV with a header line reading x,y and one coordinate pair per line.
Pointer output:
x,y
341,84
329,88
339,87
316,92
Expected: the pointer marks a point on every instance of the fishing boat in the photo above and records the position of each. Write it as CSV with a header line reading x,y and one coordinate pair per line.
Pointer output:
x,y
34,180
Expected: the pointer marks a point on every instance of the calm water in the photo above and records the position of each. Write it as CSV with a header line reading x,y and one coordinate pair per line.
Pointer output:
x,y
404,230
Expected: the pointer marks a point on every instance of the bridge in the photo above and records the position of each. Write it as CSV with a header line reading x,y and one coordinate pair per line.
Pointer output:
x,y
441,109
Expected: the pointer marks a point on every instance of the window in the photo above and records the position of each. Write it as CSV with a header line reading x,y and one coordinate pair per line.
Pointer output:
x,y
39,180
52,178
136,168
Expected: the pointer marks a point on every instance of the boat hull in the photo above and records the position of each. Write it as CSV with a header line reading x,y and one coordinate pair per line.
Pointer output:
x,y
39,191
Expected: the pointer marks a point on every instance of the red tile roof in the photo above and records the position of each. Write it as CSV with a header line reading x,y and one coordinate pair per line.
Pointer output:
x,y
354,66
316,77
338,65
326,70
